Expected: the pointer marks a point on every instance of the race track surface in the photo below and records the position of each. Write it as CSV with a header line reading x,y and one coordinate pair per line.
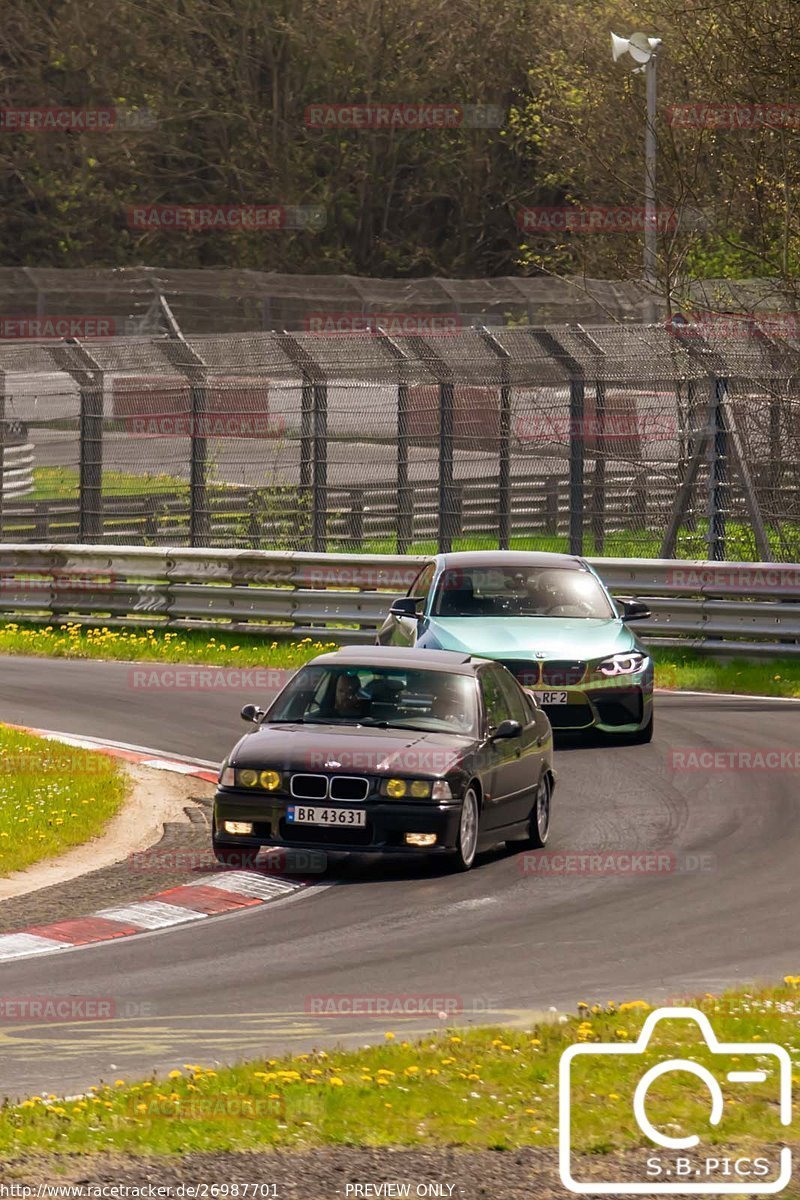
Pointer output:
x,y
723,908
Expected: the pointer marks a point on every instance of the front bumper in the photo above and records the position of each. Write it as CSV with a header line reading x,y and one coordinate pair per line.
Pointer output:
x,y
386,824
621,704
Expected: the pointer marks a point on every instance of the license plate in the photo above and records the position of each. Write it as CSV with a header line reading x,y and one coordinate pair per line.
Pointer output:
x,y
552,697
317,815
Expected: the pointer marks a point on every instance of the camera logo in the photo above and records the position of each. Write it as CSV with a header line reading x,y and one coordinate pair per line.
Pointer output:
x,y
674,1171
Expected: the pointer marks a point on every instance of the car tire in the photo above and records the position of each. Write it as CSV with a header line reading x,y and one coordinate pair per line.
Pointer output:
x,y
242,858
644,736
539,820
469,828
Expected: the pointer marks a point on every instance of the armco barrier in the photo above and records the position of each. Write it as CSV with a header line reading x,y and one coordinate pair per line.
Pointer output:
x,y
724,608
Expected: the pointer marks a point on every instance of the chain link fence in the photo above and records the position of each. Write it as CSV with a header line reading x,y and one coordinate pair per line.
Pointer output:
x,y
605,439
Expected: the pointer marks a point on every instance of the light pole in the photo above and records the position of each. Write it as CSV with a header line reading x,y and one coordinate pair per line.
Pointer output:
x,y
643,50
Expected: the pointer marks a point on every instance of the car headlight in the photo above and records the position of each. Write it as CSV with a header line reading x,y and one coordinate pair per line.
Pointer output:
x,y
268,780
396,789
623,664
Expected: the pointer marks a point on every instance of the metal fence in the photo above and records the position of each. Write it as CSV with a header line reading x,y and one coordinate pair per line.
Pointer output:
x,y
643,441
127,301
721,608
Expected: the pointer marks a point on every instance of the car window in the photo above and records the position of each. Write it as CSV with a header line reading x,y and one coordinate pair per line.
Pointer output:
x,y
520,591
514,698
395,697
494,700
422,584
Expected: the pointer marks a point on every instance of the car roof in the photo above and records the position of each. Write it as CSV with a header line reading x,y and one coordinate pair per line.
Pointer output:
x,y
510,558
452,661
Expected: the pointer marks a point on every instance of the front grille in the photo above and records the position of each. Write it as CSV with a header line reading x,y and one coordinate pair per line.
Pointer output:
x,y
309,787
349,787
526,673
563,674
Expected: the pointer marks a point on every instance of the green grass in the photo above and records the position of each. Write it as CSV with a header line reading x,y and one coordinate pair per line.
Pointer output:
x,y
495,1088
688,671
62,483
52,797
696,673
70,640
739,547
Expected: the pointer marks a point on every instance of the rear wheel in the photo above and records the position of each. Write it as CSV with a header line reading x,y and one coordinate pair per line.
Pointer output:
x,y
539,821
469,827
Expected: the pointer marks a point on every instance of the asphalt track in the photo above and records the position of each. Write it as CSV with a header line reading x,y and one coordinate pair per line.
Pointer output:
x,y
502,943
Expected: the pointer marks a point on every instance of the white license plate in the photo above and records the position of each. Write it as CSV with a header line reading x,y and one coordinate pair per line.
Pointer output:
x,y
552,697
301,814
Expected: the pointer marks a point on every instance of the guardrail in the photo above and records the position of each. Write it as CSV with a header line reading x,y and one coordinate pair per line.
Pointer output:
x,y
17,471
722,608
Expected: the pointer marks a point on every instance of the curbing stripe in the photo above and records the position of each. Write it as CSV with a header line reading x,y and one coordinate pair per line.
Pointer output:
x,y
83,930
21,945
207,896
250,883
151,914
207,900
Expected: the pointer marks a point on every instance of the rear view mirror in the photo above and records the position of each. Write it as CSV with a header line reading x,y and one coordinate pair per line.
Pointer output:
x,y
507,729
406,607
251,712
634,610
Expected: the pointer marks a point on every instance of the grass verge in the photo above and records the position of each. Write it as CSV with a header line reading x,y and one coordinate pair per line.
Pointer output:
x,y
63,483
52,797
485,1088
692,672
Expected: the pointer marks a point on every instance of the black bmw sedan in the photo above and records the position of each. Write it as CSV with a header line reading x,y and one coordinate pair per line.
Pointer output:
x,y
388,750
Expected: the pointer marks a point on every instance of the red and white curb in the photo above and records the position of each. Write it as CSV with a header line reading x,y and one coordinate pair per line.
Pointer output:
x,y
207,896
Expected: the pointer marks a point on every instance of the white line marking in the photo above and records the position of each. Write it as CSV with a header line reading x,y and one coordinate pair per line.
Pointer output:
x,y
747,1076
163,764
250,883
20,945
150,914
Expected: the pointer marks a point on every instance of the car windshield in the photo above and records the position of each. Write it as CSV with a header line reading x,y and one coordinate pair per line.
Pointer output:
x,y
385,696
514,591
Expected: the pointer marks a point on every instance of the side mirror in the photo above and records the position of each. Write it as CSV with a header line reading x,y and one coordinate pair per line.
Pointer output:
x,y
634,610
406,607
507,729
251,712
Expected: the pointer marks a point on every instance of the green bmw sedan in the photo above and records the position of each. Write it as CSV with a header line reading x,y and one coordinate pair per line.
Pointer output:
x,y
550,620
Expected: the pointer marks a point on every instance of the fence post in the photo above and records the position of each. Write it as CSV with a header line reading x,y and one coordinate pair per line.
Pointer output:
x,y
72,358
319,507
191,365
577,440
717,472
2,445
405,508
504,448
442,372
598,523
313,436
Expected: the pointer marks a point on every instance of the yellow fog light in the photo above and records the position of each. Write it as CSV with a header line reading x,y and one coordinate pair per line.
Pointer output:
x,y
420,839
240,827
248,778
270,780
420,788
396,788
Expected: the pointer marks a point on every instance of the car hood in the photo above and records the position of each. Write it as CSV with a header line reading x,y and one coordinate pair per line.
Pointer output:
x,y
555,637
357,750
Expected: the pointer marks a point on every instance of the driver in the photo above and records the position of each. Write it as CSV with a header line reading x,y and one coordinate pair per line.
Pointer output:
x,y
346,701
